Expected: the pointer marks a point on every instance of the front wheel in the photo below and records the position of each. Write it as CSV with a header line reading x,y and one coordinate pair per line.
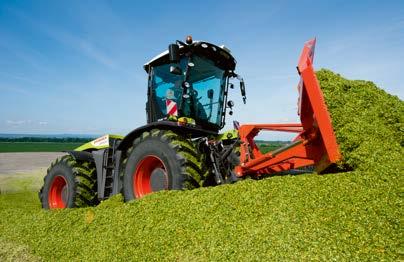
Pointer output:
x,y
162,160
69,183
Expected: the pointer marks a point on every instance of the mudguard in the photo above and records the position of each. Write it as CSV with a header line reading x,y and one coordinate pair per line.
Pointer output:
x,y
81,155
187,130
98,143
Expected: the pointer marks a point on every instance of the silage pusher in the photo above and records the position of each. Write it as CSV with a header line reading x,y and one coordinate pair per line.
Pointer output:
x,y
315,144
180,147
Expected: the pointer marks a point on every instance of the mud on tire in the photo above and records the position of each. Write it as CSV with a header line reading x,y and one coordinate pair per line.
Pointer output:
x,y
69,183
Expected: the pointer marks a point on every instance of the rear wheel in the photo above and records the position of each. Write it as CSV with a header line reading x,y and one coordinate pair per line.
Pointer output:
x,y
69,183
162,160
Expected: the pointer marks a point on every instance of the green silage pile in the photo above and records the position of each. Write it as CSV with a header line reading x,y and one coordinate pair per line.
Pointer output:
x,y
353,215
368,122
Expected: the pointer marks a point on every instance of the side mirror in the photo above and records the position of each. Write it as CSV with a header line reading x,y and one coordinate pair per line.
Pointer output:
x,y
242,89
210,93
174,57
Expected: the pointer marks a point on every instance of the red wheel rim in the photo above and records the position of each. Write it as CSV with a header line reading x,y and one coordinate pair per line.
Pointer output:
x,y
142,177
58,193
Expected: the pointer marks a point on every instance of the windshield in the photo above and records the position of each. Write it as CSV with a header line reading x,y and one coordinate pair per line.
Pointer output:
x,y
203,99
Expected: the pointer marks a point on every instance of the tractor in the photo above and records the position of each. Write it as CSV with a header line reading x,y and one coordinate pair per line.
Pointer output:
x,y
180,147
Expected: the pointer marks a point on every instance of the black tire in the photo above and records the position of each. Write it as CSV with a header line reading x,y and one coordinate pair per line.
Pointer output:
x,y
78,181
182,166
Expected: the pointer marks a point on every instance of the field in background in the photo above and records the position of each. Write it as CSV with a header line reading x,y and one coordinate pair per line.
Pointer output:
x,y
8,147
267,146
24,171
21,182
53,143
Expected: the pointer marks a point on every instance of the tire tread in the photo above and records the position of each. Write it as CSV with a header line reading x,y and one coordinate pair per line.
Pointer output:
x,y
85,178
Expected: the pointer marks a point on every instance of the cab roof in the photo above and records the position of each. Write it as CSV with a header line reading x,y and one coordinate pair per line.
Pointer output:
x,y
219,54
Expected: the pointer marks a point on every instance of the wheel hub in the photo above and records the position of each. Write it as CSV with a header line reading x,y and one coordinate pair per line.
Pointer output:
x,y
158,179
58,193
150,176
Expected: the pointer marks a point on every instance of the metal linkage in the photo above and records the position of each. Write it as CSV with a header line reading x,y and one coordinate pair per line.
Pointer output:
x,y
315,143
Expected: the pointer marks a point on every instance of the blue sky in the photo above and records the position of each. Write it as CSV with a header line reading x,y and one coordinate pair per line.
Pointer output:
x,y
76,66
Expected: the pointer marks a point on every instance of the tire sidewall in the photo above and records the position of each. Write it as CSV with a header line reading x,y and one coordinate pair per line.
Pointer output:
x,y
64,170
152,146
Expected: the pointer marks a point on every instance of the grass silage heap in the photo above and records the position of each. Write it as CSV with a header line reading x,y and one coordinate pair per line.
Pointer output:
x,y
351,215
368,122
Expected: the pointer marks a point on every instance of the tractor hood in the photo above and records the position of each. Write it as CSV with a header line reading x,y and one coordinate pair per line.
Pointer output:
x,y
219,54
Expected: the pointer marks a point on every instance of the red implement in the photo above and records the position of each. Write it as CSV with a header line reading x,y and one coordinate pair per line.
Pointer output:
x,y
315,143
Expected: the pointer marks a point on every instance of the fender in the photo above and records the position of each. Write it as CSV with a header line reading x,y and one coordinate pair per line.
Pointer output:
x,y
81,155
192,131
102,142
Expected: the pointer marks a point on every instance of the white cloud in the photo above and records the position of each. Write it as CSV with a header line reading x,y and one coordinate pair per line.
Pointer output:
x,y
17,122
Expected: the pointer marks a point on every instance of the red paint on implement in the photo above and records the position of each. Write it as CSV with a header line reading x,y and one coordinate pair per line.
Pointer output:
x,y
58,192
313,110
142,175
315,143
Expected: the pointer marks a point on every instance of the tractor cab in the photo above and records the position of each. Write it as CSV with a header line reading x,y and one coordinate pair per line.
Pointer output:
x,y
190,81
